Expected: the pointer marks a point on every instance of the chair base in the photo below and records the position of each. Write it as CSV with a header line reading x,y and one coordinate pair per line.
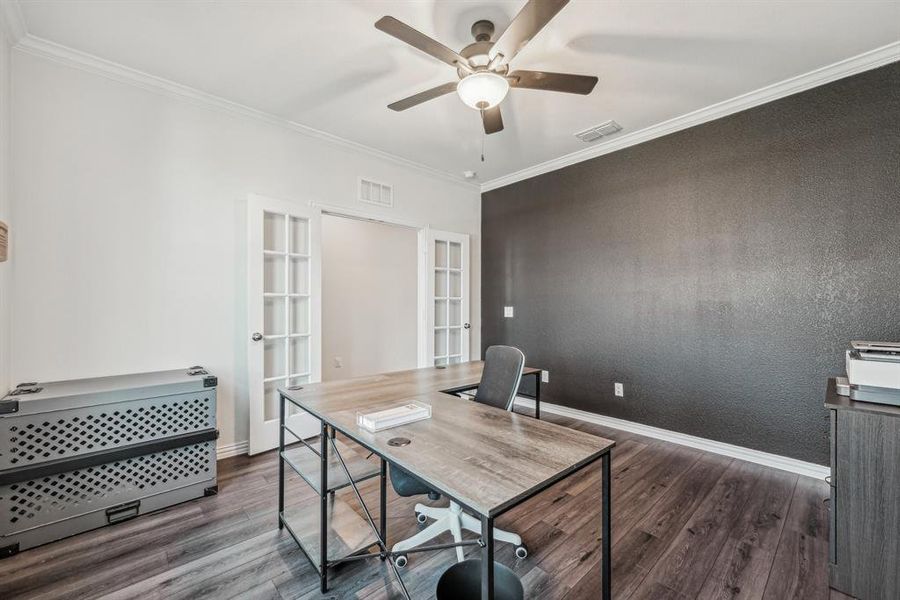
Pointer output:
x,y
454,520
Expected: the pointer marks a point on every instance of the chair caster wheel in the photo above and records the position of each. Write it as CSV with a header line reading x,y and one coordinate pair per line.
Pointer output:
x,y
521,551
400,561
421,518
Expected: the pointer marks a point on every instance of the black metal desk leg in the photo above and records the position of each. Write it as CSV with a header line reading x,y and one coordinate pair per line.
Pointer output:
x,y
487,558
382,521
606,559
323,516
537,395
280,460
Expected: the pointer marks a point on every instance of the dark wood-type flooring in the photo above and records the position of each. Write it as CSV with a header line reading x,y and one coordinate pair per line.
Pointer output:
x,y
686,524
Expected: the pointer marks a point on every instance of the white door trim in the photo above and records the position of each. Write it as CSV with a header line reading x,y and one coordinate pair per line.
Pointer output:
x,y
365,215
424,332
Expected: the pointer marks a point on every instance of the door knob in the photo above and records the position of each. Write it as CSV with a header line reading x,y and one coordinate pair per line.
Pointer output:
x,y
466,325
256,336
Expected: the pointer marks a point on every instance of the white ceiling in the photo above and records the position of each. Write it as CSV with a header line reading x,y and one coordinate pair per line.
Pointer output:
x,y
323,64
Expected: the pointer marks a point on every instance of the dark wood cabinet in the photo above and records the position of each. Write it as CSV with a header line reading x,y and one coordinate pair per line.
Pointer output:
x,y
865,497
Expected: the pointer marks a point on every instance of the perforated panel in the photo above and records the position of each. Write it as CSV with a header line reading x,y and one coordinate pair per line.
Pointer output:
x,y
46,500
33,439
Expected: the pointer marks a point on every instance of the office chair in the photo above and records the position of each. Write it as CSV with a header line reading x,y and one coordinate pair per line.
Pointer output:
x,y
500,380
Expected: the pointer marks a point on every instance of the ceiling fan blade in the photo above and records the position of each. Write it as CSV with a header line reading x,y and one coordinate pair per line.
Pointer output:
x,y
553,82
417,39
425,96
530,20
492,120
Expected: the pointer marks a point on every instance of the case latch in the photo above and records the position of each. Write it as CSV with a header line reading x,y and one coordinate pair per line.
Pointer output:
x,y
123,512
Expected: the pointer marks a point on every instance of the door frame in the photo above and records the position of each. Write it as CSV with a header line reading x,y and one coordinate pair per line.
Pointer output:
x,y
421,262
424,334
423,331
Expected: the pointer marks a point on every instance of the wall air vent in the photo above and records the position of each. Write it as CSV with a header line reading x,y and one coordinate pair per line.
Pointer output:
x,y
602,130
373,192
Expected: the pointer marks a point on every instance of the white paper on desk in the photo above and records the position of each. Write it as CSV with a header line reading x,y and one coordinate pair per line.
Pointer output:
x,y
392,417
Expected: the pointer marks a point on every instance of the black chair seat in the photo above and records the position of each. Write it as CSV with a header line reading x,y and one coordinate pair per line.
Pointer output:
x,y
406,484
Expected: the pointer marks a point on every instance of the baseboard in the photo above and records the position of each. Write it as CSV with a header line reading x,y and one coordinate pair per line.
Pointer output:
x,y
750,455
234,449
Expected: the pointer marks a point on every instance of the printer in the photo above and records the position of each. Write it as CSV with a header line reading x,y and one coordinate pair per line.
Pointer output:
x,y
873,372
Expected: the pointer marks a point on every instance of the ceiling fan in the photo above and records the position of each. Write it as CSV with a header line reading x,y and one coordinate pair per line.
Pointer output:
x,y
483,67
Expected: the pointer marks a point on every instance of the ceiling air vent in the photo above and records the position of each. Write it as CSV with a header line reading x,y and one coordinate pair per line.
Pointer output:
x,y
372,192
599,131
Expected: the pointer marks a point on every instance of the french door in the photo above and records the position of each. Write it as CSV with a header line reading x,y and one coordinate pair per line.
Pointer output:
x,y
284,303
446,298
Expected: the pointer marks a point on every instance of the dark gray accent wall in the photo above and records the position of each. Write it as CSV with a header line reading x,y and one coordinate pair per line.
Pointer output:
x,y
718,272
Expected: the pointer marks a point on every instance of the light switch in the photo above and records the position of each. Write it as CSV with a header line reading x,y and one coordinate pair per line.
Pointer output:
x,y
508,312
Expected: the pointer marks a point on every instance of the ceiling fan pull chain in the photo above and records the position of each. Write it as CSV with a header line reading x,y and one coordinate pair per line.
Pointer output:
x,y
483,135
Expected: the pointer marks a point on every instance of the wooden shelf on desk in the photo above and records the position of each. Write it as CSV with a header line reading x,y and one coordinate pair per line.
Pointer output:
x,y
348,533
307,465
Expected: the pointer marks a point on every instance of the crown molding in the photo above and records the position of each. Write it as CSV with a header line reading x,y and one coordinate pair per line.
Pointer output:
x,y
12,22
851,66
14,25
42,48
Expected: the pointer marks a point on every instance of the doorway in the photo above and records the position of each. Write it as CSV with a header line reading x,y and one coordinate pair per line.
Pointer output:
x,y
397,298
370,311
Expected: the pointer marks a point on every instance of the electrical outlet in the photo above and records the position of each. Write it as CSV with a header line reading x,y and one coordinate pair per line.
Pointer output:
x,y
508,312
545,376
619,389
338,362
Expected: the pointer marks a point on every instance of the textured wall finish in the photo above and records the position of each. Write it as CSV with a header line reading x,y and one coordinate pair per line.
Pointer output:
x,y
718,272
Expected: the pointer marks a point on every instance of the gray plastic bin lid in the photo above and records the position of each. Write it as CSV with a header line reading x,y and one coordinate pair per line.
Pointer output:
x,y
38,397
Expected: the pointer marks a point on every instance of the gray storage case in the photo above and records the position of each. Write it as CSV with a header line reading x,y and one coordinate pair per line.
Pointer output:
x,y
81,454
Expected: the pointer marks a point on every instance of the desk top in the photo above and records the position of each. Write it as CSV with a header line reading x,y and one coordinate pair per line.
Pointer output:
x,y
398,384
485,458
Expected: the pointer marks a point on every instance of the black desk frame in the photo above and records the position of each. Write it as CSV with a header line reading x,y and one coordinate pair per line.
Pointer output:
x,y
486,541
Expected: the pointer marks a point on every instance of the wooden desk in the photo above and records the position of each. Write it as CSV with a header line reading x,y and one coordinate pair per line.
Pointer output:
x,y
486,459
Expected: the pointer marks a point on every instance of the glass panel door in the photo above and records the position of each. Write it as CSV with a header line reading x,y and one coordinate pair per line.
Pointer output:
x,y
448,319
283,282
286,300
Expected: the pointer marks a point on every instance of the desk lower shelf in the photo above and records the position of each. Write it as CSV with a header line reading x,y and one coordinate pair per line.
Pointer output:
x,y
307,465
348,533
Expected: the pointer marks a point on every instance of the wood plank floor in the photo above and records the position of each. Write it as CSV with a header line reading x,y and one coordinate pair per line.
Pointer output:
x,y
686,524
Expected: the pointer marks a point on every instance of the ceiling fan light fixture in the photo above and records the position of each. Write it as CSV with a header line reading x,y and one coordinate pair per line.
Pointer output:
x,y
482,90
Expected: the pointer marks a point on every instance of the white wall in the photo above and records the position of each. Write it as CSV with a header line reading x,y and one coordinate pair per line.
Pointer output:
x,y
130,215
5,267
369,297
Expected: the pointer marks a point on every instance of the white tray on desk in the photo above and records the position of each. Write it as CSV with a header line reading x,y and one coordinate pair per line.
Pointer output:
x,y
395,416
